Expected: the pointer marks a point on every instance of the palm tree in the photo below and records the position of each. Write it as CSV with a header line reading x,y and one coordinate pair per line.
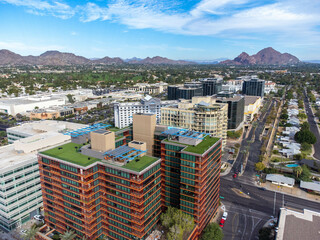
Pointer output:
x,y
298,171
68,235
31,233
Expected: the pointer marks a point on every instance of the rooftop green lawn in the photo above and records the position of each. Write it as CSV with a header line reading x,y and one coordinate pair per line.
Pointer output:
x,y
206,143
143,162
69,153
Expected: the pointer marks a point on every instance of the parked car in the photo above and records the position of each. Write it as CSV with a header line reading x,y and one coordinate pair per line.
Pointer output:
x,y
235,175
23,231
262,188
221,224
224,216
38,217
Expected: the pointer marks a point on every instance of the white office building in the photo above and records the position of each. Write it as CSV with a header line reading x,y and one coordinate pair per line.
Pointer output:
x,y
37,127
123,111
20,189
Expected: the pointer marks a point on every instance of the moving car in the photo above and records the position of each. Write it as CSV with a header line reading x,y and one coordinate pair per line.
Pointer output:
x,y
235,175
23,231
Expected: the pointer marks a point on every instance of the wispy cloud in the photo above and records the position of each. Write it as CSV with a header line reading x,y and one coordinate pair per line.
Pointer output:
x,y
279,19
42,7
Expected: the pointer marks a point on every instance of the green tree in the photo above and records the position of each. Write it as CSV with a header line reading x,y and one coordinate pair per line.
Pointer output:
x,y
176,222
305,126
31,233
297,171
260,166
305,175
68,235
306,146
265,234
305,136
212,232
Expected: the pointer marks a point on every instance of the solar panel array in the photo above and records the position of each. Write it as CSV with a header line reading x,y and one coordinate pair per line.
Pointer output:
x,y
86,130
181,132
124,153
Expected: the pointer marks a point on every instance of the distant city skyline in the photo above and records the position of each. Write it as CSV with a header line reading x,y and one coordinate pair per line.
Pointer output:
x,y
193,30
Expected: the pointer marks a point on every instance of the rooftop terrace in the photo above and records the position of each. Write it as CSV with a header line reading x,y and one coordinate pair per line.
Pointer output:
x,y
69,152
200,148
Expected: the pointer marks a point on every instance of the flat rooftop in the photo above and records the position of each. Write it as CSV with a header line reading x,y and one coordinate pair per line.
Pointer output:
x,y
298,225
69,152
200,148
37,127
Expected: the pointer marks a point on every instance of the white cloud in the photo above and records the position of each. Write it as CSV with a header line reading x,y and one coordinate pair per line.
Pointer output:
x,y
42,7
282,19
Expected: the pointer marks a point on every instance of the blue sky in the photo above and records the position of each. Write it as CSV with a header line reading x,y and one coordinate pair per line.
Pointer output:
x,y
177,29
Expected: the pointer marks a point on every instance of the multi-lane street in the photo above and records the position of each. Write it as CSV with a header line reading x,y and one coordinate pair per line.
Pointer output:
x,y
313,126
251,209
254,207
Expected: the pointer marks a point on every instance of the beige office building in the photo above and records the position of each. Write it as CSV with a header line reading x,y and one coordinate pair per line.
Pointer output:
x,y
201,114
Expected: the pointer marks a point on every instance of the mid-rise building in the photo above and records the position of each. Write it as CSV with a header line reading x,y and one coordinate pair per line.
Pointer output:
x,y
253,87
198,115
235,110
51,113
191,163
203,87
211,86
20,189
123,112
147,88
252,105
104,190
270,87
234,86
38,127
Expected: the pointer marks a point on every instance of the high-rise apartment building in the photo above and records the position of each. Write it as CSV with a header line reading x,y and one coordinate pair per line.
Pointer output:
x,y
253,87
123,112
198,116
99,189
190,166
114,192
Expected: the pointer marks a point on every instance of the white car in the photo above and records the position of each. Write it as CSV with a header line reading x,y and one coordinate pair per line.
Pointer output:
x,y
23,231
225,215
38,217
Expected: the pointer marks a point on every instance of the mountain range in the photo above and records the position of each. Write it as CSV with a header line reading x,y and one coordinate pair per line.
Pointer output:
x,y
61,59
267,56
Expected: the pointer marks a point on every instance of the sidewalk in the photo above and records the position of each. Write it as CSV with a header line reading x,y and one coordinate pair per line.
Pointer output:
x,y
294,191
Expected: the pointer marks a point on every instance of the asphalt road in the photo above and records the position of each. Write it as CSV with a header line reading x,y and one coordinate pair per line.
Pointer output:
x,y
248,215
313,126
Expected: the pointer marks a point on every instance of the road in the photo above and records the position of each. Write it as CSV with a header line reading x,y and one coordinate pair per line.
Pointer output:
x,y
313,126
247,215
253,144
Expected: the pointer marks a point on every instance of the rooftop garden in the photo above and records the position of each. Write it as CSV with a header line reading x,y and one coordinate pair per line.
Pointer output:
x,y
203,146
206,143
141,164
70,153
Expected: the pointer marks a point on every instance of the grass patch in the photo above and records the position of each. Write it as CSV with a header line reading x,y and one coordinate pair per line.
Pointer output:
x,y
206,143
143,162
69,153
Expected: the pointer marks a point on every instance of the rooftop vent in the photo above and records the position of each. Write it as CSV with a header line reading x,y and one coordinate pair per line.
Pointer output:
x,y
137,160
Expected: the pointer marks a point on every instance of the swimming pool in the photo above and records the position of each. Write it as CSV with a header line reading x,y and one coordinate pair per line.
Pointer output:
x,y
292,165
